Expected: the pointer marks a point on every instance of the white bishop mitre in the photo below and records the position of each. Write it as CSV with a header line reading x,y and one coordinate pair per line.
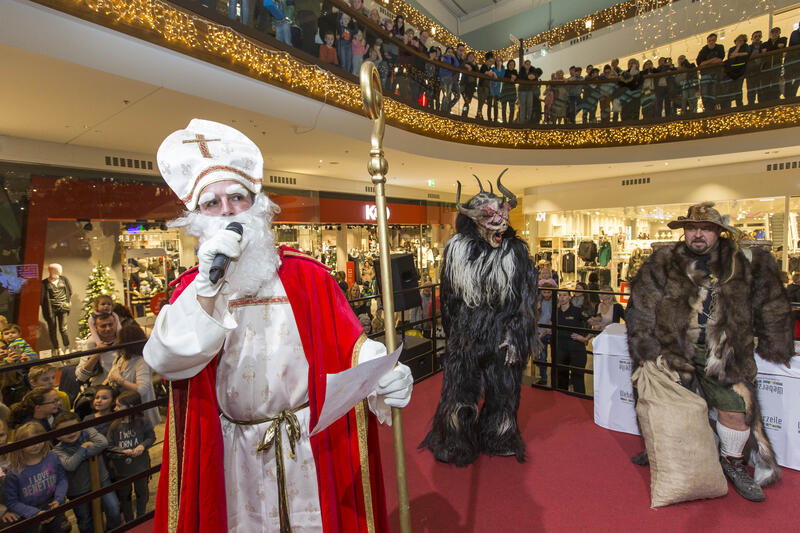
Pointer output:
x,y
206,152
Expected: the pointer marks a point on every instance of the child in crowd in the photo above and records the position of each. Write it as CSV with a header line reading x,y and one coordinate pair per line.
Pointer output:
x,y
45,376
13,384
346,29
74,450
102,305
327,52
103,404
129,439
6,516
39,405
19,349
36,482
359,50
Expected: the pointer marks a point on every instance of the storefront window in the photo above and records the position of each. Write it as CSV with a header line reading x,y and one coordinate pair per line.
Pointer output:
x,y
613,242
109,234
14,186
352,248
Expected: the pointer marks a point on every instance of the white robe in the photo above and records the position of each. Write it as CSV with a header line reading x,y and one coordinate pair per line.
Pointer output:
x,y
262,371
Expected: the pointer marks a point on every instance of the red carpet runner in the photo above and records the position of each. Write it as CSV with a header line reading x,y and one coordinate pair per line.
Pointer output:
x,y
578,477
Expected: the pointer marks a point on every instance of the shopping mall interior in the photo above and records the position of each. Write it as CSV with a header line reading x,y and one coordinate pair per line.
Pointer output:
x,y
605,137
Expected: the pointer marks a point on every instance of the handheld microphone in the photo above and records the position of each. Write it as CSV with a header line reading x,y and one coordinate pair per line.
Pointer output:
x,y
221,261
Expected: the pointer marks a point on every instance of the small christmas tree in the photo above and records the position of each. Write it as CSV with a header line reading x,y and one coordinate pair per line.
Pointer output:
x,y
100,282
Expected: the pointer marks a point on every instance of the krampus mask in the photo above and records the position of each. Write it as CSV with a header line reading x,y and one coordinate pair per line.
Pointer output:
x,y
489,211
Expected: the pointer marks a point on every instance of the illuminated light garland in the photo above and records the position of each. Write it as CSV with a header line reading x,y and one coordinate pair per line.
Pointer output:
x,y
575,28
421,22
187,32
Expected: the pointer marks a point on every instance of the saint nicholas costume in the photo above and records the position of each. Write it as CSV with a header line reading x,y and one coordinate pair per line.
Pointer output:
x,y
249,381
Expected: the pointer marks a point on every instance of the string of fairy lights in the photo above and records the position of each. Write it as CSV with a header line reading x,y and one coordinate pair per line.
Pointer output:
x,y
658,22
189,33
438,32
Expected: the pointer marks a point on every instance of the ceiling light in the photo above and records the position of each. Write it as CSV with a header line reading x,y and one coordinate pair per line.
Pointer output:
x,y
588,24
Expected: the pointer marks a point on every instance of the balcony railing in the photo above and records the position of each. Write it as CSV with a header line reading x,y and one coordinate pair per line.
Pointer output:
x,y
432,97
649,94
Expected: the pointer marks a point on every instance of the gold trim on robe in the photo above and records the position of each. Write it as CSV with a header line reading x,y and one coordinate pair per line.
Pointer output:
x,y
363,447
173,498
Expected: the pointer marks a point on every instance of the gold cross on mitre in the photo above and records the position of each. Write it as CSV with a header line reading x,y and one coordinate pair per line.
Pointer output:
x,y
202,142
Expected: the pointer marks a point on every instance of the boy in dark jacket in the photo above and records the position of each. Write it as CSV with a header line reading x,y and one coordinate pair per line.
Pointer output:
x,y
74,451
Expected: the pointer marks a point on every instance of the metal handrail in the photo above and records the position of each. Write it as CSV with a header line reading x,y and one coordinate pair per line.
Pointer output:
x,y
366,22
66,357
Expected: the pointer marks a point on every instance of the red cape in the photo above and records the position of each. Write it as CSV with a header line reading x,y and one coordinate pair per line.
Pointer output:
x,y
191,489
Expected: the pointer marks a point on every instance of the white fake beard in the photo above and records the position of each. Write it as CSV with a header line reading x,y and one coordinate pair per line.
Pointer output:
x,y
484,280
259,261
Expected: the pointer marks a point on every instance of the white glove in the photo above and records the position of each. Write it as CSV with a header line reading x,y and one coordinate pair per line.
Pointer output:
x,y
225,242
394,388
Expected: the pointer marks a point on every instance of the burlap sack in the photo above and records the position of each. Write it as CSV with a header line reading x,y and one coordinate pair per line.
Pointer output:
x,y
684,461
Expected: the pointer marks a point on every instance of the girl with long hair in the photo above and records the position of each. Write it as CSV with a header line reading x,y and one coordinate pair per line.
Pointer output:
x,y
130,372
102,404
39,405
36,481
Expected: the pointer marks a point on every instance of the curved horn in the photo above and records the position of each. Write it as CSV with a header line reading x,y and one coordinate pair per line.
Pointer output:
x,y
479,183
491,189
512,198
471,213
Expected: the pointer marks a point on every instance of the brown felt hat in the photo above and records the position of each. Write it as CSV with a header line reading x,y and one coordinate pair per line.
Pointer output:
x,y
704,212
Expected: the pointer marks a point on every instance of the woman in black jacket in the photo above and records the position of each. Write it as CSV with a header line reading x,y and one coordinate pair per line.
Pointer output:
x,y
508,92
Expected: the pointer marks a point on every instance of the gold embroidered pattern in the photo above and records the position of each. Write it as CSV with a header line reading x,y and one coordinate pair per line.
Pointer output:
x,y
216,168
241,302
363,446
172,494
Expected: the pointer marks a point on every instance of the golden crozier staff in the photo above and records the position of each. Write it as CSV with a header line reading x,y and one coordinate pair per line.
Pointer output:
x,y
378,167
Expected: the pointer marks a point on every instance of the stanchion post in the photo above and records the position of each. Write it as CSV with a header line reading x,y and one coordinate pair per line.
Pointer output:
x,y
94,481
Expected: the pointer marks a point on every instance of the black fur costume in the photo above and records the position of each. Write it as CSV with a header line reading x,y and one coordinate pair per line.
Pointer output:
x,y
488,296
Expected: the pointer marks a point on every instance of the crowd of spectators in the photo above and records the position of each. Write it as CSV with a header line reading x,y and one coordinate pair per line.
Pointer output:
x,y
49,396
567,305
660,88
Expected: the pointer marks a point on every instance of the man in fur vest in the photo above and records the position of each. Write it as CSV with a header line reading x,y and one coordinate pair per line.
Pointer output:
x,y
700,304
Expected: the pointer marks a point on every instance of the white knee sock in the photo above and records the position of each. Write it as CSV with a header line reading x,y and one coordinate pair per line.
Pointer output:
x,y
731,441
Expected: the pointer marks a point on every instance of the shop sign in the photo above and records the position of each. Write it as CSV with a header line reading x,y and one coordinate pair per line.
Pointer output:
x,y
541,216
142,237
626,288
371,212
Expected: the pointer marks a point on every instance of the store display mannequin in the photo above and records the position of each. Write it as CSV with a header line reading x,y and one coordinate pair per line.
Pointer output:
x,y
142,274
55,302
427,255
143,284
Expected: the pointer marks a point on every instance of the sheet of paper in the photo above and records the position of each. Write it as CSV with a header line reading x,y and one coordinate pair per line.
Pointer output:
x,y
347,388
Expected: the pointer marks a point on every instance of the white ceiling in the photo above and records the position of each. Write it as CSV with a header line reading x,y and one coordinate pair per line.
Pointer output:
x,y
77,84
459,8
